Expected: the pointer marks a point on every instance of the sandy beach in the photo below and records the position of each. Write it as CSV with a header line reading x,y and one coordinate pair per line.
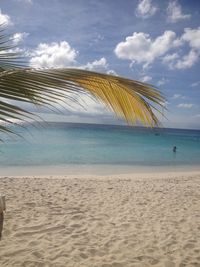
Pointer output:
x,y
102,221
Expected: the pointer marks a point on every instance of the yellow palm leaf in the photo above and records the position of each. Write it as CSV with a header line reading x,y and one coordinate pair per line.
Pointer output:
x,y
129,99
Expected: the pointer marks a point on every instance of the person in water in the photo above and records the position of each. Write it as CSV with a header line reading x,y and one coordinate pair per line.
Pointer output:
x,y
174,149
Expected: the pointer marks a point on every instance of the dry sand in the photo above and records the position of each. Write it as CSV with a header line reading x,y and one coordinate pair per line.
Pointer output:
x,y
101,222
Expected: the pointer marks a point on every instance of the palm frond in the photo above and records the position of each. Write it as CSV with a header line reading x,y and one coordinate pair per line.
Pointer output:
x,y
9,58
129,99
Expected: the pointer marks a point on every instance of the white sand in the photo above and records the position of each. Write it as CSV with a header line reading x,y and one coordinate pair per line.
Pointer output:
x,y
118,221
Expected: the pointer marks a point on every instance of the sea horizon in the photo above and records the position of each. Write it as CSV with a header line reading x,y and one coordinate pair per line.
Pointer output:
x,y
125,125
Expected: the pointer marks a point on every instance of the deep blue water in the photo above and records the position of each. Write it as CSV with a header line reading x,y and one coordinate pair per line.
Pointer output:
x,y
67,143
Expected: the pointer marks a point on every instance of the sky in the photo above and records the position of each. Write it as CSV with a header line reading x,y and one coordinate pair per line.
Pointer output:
x,y
155,41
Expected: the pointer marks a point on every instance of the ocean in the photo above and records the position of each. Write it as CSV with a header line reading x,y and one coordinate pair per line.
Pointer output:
x,y
56,144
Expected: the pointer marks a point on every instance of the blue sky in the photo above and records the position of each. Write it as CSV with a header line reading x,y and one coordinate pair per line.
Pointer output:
x,y
153,41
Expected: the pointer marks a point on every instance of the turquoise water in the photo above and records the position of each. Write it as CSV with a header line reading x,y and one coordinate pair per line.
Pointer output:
x,y
67,143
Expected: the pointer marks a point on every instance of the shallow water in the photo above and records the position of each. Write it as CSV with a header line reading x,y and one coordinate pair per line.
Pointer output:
x,y
67,143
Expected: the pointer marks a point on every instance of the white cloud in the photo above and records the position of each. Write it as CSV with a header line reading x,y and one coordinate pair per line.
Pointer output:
x,y
170,57
178,96
58,55
145,9
18,51
98,38
174,61
169,60
187,61
97,65
25,1
19,37
100,65
112,72
185,105
141,48
5,19
195,84
162,81
53,55
193,37
174,12
146,78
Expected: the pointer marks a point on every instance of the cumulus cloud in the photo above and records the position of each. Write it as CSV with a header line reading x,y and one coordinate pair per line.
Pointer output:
x,y
97,65
5,19
174,12
140,48
145,9
53,55
170,57
185,105
169,60
192,36
187,61
58,55
174,61
19,37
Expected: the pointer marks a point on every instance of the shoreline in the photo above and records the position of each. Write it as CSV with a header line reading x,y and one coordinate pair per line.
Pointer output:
x,y
98,170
